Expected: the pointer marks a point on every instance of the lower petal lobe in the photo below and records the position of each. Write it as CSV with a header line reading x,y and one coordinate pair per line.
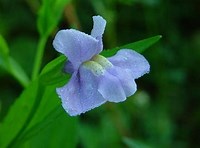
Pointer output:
x,y
70,94
110,88
127,82
90,98
80,94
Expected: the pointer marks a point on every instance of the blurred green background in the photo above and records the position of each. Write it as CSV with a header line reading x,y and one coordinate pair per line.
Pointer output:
x,y
165,111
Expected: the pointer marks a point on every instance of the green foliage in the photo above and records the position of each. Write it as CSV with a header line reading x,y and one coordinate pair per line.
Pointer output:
x,y
13,123
139,46
135,143
10,65
60,132
51,74
37,109
49,15
142,45
38,106
103,134
4,48
4,52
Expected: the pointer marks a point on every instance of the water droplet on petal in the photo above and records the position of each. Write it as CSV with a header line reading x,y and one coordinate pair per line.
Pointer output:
x,y
125,58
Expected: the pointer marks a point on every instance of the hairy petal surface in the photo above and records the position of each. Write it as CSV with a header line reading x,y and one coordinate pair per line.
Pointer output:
x,y
124,76
77,46
132,61
110,88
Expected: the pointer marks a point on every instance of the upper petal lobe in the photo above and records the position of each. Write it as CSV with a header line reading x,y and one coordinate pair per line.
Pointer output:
x,y
98,27
132,61
77,46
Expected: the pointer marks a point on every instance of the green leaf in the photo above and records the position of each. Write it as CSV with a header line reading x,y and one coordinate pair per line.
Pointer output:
x,y
35,109
18,115
4,52
10,65
52,72
3,47
16,70
49,15
60,132
138,46
50,116
135,143
54,64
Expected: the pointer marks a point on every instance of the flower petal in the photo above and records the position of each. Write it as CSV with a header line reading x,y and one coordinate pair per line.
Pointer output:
x,y
77,46
125,78
110,88
70,94
90,97
68,68
80,94
98,27
132,61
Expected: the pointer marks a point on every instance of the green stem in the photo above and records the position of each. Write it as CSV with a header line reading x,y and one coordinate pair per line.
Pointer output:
x,y
38,58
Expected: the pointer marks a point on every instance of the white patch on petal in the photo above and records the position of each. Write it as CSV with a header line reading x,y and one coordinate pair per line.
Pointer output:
x,y
95,67
102,61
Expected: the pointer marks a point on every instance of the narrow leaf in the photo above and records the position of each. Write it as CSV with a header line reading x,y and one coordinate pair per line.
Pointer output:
x,y
16,70
53,72
135,143
10,65
17,116
4,52
138,46
57,129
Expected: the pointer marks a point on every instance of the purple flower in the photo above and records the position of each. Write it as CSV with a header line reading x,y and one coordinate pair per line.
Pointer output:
x,y
96,79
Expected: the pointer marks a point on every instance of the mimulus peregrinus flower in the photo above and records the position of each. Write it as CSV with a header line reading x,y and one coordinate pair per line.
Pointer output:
x,y
96,79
